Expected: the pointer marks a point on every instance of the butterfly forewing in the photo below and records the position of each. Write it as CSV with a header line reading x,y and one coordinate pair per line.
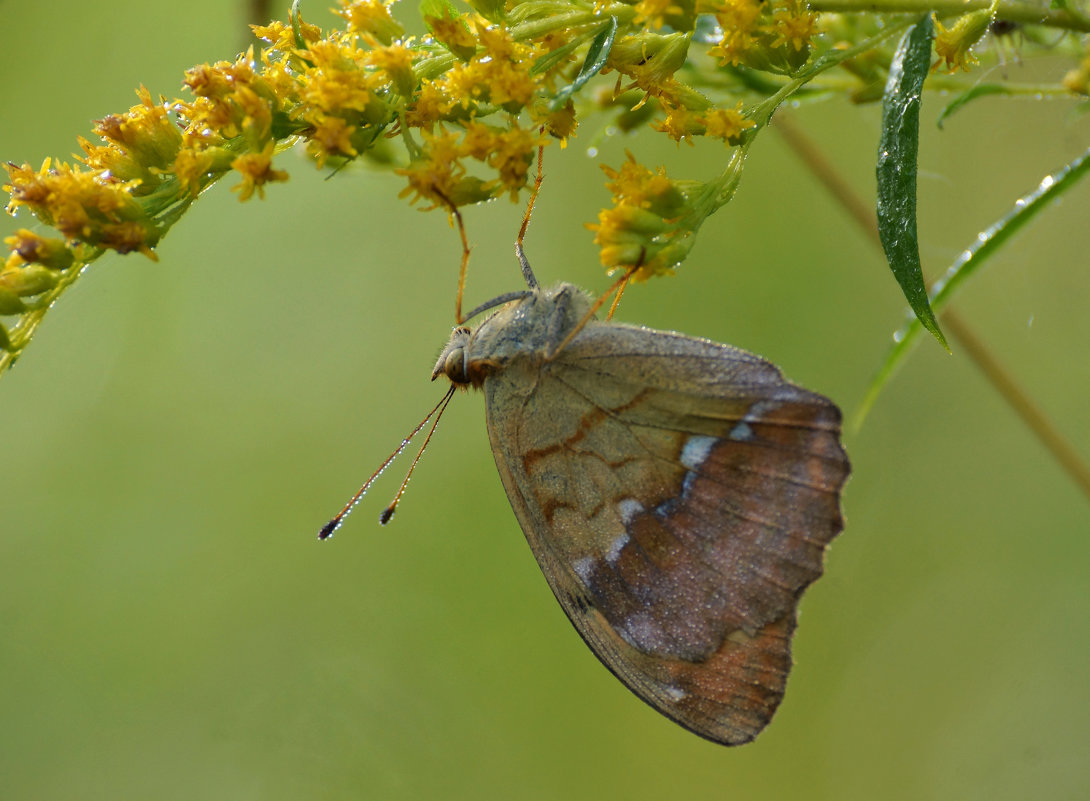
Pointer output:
x,y
678,495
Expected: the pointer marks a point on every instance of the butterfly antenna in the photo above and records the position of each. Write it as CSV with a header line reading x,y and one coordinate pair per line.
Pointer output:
x,y
388,512
527,273
335,523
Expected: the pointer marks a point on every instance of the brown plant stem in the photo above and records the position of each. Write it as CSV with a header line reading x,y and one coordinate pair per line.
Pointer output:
x,y
1001,379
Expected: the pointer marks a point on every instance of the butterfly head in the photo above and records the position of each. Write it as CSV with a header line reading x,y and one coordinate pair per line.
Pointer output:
x,y
452,360
528,328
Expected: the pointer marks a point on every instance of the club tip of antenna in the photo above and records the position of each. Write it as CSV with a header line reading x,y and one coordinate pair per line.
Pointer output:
x,y
387,513
328,529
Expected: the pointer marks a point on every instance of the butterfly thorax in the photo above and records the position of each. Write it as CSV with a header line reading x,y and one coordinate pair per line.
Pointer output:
x,y
526,330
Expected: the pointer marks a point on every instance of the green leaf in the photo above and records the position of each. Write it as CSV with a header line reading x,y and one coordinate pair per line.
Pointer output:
x,y
439,9
979,90
554,57
984,246
597,54
10,302
295,16
434,10
898,147
491,10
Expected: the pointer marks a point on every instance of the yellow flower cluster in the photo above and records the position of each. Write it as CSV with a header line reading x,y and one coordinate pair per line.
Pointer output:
x,y
641,231
728,124
343,92
86,209
472,102
775,36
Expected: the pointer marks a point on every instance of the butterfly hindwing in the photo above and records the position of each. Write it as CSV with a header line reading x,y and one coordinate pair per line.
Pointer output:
x,y
678,495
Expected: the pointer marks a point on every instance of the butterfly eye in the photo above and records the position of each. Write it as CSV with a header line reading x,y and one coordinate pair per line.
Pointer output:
x,y
452,361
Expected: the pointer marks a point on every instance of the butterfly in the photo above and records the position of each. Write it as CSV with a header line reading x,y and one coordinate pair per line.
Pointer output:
x,y
678,495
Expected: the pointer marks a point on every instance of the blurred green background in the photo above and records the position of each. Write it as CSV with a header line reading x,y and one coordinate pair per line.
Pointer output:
x,y
177,432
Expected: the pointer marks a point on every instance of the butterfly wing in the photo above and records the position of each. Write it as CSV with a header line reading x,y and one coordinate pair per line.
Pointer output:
x,y
678,495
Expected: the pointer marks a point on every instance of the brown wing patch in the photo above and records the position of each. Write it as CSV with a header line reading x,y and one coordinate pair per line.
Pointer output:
x,y
729,697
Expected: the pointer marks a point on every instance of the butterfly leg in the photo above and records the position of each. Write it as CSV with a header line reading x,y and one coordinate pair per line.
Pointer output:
x,y
558,319
456,217
458,318
557,336
527,273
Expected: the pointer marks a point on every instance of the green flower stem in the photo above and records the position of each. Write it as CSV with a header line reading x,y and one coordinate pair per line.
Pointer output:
x,y
539,27
29,321
718,192
1012,12
763,112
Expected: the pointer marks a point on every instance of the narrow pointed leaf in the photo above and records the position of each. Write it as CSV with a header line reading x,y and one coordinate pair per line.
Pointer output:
x,y
296,17
985,244
597,54
967,97
491,10
898,147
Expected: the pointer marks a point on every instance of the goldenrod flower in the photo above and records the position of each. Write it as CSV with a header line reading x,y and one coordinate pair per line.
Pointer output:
x,y
511,156
739,20
86,207
439,176
645,230
635,185
47,251
194,166
332,136
471,103
769,36
626,238
281,35
454,34
728,124
256,171
680,123
954,45
650,59
560,123
433,103
655,11
793,25
372,18
499,75
396,61
337,82
140,144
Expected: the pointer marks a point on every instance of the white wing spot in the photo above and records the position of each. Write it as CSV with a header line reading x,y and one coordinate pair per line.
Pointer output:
x,y
675,693
584,567
640,631
759,409
687,483
741,432
696,450
614,552
629,508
